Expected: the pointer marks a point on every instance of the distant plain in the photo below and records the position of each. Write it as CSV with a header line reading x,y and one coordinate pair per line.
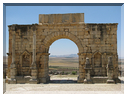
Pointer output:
x,y
65,63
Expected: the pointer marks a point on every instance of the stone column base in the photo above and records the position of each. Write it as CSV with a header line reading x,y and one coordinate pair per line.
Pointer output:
x,y
80,80
87,81
33,81
12,81
48,78
6,81
44,79
117,80
110,81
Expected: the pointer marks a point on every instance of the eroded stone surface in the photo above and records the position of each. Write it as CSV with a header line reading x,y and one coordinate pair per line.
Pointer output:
x,y
95,41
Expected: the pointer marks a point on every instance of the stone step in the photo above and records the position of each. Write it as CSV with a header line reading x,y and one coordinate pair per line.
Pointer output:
x,y
99,79
22,79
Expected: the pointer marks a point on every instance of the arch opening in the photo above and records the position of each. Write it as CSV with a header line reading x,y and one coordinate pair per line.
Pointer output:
x,y
63,61
44,59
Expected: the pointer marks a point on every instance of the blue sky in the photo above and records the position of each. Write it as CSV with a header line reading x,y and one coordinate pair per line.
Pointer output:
x,y
92,14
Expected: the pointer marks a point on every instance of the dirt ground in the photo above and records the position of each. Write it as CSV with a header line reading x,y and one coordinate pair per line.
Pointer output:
x,y
65,85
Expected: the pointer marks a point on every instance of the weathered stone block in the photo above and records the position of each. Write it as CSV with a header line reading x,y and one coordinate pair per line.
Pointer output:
x,y
89,38
12,81
61,18
33,81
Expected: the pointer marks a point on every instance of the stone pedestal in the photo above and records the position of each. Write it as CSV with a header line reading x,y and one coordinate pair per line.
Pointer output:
x,y
13,74
87,79
34,79
12,81
110,76
81,76
110,81
48,78
44,79
87,68
110,71
80,79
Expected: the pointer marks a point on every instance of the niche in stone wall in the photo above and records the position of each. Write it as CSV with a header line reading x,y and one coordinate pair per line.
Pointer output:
x,y
97,60
25,61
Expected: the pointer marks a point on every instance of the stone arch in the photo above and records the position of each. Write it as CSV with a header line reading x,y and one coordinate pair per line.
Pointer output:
x,y
59,35
49,39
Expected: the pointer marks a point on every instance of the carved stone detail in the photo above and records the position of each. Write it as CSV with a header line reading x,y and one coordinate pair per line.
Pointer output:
x,y
32,42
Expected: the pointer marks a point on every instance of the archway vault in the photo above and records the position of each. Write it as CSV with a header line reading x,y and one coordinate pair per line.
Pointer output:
x,y
59,35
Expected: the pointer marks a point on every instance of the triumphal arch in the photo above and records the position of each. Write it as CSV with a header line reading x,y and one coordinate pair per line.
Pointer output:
x,y
29,49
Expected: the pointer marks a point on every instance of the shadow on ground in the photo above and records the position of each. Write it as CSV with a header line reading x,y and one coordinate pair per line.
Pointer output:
x,y
122,82
62,81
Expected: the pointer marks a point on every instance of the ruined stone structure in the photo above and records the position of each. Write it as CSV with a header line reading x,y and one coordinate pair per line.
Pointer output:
x,y
29,48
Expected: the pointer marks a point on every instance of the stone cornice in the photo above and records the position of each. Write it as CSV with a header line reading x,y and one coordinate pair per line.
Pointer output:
x,y
41,53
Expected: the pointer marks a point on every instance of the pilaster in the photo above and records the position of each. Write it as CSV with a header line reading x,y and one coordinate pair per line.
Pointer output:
x,y
81,76
13,69
44,69
34,71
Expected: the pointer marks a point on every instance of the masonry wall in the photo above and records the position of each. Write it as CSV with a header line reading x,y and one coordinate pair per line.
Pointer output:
x,y
94,39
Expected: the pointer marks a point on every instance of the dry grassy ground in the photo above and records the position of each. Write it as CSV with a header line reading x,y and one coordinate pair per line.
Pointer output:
x,y
64,62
